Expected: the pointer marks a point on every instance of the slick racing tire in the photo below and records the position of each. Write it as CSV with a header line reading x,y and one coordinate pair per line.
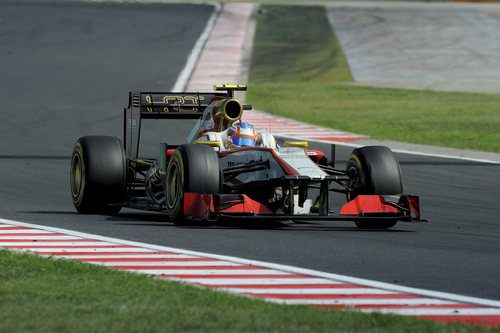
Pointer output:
x,y
192,169
98,175
374,170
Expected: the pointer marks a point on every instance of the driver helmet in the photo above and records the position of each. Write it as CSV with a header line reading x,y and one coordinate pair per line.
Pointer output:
x,y
241,135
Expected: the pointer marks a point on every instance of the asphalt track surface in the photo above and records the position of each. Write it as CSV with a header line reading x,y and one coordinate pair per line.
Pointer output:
x,y
66,71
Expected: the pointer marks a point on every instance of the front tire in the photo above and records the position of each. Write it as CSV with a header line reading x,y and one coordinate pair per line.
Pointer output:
x,y
192,169
98,175
374,170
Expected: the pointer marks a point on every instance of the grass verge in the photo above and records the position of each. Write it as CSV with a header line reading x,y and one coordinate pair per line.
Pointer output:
x,y
468,121
295,43
304,84
48,295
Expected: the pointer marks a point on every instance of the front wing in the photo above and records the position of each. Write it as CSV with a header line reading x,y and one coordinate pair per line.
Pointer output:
x,y
213,207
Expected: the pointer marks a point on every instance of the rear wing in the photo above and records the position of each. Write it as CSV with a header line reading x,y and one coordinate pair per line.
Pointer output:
x,y
172,105
167,105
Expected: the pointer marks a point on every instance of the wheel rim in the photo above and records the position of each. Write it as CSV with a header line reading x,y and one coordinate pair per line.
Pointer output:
x,y
173,185
355,180
76,175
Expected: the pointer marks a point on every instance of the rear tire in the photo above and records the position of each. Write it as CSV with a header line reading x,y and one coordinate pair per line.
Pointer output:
x,y
98,175
192,169
374,170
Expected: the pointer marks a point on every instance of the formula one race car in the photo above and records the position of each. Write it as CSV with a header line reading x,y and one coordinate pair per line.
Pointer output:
x,y
211,178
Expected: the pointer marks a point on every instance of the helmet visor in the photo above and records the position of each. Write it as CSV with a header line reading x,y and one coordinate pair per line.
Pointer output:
x,y
243,141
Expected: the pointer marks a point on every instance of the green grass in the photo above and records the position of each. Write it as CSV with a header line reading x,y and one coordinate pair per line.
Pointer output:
x,y
296,44
46,295
468,121
304,84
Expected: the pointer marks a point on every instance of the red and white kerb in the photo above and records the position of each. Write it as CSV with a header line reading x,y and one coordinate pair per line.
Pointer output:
x,y
270,282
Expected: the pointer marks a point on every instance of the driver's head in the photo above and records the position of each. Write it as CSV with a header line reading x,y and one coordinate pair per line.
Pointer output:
x,y
241,135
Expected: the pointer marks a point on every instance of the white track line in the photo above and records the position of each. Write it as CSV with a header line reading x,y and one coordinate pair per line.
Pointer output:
x,y
116,249
308,291
397,301
353,144
409,152
438,312
24,231
72,244
269,281
186,72
221,58
130,256
167,264
31,237
208,272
